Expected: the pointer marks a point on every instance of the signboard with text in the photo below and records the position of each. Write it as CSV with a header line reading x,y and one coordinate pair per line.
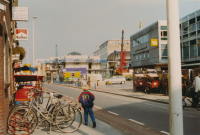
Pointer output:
x,y
21,34
20,13
154,42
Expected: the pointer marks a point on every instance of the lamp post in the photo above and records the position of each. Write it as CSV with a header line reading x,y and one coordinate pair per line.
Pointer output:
x,y
33,42
27,54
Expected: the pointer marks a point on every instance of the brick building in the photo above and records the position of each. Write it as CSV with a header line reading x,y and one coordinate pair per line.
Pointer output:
x,y
6,70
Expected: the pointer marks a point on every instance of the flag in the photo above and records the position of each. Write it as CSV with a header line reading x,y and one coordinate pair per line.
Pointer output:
x,y
140,24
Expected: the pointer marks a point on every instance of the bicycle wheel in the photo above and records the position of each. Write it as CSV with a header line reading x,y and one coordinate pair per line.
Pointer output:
x,y
183,103
68,119
22,120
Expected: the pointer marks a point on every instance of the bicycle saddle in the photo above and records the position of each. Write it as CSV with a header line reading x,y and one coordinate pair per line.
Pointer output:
x,y
58,95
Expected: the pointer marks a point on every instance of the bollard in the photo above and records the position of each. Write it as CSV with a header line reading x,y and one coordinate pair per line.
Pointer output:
x,y
95,86
75,84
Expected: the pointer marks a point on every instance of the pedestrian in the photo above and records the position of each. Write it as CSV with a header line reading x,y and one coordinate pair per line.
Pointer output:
x,y
86,99
196,83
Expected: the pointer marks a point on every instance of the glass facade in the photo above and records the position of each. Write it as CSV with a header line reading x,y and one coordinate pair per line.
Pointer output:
x,y
141,56
141,40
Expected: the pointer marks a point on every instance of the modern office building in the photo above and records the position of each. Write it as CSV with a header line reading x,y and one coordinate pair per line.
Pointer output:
x,y
149,47
190,40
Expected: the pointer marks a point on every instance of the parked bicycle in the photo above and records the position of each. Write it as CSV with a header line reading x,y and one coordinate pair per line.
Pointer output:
x,y
187,102
65,116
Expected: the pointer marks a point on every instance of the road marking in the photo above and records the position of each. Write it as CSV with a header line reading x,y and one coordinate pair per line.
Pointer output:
x,y
113,113
66,96
71,97
164,132
136,121
98,107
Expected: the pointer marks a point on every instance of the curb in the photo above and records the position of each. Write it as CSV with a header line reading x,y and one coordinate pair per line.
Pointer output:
x,y
117,94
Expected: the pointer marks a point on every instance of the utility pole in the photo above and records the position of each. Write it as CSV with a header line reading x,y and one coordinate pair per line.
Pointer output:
x,y
174,68
122,53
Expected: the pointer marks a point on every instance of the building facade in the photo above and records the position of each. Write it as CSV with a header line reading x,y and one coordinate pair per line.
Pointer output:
x,y
50,68
190,40
107,48
146,55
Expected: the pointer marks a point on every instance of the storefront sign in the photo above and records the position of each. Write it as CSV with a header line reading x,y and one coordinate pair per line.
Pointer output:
x,y
154,42
21,34
20,13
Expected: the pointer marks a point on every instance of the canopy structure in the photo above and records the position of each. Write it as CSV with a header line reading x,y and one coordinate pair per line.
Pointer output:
x,y
24,68
152,75
139,75
25,78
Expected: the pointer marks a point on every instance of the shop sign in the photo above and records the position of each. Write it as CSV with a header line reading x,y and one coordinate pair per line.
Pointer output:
x,y
154,42
20,13
21,34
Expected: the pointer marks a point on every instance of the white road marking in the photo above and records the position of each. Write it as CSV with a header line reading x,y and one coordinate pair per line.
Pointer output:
x,y
164,132
66,96
71,97
98,107
136,121
113,113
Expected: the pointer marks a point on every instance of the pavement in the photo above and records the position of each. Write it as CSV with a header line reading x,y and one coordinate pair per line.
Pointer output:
x,y
101,129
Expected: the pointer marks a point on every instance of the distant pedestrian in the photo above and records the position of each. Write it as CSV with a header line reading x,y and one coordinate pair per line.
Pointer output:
x,y
196,84
86,99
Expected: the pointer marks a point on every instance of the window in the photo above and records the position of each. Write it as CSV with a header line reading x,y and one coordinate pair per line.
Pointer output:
x,y
193,48
141,40
185,50
163,38
185,30
180,26
191,21
163,27
164,51
141,56
192,27
163,33
198,26
193,33
198,18
186,35
185,24
198,43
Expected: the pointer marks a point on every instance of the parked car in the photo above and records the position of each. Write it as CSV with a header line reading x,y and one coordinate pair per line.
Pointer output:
x,y
116,79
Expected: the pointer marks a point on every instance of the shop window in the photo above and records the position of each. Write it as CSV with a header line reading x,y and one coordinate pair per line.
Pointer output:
x,y
192,21
163,27
185,24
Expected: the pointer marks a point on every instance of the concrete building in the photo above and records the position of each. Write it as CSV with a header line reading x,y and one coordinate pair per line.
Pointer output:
x,y
106,49
74,60
190,40
144,53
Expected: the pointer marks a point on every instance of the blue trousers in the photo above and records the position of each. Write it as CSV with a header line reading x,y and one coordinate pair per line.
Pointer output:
x,y
90,111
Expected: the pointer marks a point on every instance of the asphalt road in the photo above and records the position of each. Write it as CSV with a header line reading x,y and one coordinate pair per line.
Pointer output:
x,y
151,114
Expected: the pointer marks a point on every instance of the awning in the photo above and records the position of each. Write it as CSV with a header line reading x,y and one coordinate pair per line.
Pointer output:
x,y
25,78
152,75
24,68
139,75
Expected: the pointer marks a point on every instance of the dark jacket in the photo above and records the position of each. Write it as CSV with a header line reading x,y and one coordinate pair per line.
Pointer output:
x,y
86,99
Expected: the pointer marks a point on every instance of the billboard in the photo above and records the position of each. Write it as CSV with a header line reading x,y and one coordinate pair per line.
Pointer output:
x,y
20,13
21,34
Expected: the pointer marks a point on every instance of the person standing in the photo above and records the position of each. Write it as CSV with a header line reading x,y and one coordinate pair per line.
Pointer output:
x,y
195,97
86,99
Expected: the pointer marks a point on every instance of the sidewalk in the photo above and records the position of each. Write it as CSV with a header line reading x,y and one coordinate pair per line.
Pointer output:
x,y
101,129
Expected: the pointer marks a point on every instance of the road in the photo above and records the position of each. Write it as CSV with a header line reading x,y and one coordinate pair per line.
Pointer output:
x,y
146,113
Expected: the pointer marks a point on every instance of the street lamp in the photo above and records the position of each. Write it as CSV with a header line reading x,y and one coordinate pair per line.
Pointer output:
x,y
33,41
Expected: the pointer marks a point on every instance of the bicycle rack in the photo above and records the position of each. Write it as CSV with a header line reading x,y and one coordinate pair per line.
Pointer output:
x,y
15,121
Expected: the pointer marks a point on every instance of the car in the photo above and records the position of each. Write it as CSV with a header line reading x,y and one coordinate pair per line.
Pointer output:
x,y
116,79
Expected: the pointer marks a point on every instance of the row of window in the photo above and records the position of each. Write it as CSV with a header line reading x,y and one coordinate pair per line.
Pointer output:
x,y
190,49
141,56
191,21
141,40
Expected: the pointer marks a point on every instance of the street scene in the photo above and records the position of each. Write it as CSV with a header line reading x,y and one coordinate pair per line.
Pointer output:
x,y
104,67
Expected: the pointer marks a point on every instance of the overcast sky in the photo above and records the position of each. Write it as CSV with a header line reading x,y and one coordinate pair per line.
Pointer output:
x,y
81,25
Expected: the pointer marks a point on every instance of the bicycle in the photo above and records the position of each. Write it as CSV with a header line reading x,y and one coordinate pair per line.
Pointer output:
x,y
187,102
65,115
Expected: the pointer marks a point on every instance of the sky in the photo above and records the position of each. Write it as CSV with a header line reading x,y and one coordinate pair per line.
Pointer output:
x,y
82,25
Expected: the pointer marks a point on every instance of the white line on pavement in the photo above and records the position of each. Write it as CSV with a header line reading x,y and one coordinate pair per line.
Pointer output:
x,y
66,96
71,97
164,132
98,107
113,113
136,121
